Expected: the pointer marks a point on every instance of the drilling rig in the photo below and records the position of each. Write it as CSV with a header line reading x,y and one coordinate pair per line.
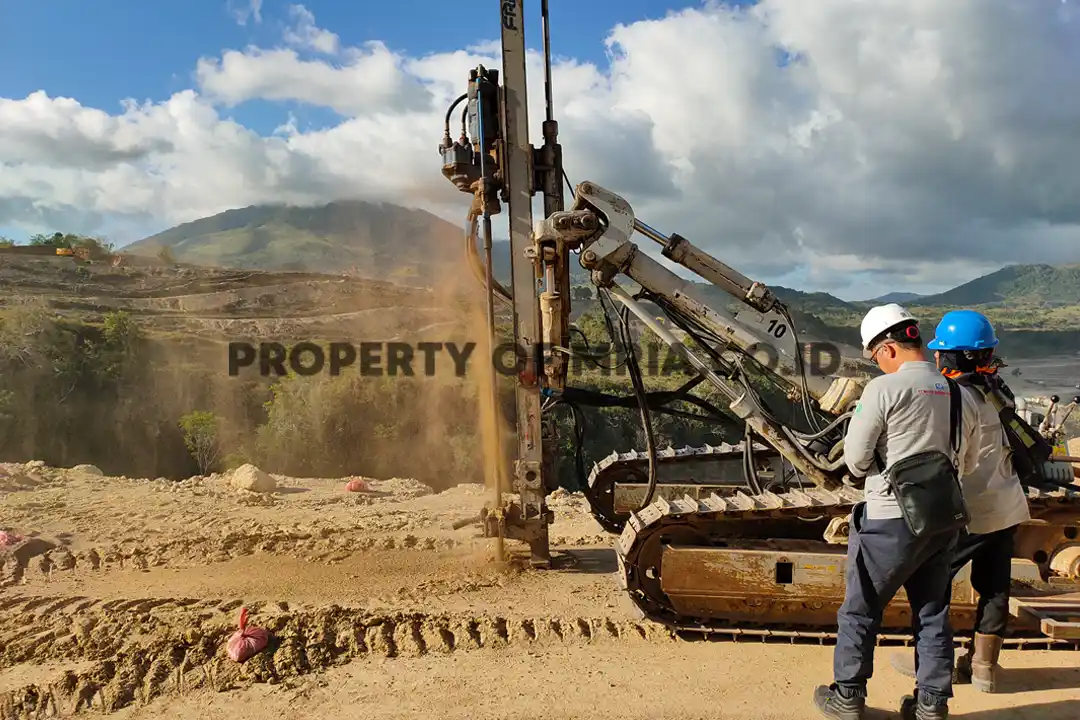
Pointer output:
x,y
742,537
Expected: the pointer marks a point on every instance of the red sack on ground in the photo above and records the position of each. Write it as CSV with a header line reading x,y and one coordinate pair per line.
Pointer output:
x,y
246,641
356,485
9,538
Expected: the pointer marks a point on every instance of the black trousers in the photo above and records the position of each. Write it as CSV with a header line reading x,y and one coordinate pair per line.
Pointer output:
x,y
991,575
884,556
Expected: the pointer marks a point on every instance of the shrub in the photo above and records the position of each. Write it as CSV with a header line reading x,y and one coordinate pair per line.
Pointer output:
x,y
200,430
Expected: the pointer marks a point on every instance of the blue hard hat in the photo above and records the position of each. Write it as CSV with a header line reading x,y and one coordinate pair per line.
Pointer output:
x,y
964,330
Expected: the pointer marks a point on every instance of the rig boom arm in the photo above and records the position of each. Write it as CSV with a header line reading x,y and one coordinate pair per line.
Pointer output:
x,y
715,537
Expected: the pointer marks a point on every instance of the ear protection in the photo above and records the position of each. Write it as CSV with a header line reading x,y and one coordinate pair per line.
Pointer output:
x,y
910,332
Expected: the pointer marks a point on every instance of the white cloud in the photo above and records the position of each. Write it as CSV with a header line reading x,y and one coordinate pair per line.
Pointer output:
x,y
243,10
307,35
907,141
371,82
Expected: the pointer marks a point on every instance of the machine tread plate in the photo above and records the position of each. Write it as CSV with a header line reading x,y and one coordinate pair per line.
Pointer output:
x,y
714,514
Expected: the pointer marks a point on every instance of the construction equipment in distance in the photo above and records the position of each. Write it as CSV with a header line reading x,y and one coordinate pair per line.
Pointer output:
x,y
44,250
738,538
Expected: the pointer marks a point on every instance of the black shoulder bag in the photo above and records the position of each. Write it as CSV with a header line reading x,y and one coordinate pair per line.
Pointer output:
x,y
927,485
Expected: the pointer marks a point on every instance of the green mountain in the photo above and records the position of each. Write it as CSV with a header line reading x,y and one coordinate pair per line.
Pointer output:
x,y
809,300
895,297
1015,284
376,240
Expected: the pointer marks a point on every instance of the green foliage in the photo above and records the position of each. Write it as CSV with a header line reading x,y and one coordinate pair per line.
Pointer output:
x,y
382,426
7,405
73,241
116,348
55,240
200,430
234,460
74,356
6,242
64,387
582,292
594,327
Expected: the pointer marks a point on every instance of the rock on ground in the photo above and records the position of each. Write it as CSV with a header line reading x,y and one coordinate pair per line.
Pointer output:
x,y
248,477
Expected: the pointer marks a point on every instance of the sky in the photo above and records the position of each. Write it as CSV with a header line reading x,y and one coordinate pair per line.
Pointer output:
x,y
899,145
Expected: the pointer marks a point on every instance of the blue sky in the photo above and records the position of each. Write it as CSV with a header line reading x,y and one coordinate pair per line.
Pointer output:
x,y
910,149
103,52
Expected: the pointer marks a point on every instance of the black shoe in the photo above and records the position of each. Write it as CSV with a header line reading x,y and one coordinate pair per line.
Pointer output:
x,y
912,710
832,704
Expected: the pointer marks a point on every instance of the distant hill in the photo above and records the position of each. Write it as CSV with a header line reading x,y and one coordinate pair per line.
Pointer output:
x,y
1016,284
380,240
812,302
896,297
413,247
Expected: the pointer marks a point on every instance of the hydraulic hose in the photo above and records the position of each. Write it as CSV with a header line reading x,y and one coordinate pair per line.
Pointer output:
x,y
450,110
478,267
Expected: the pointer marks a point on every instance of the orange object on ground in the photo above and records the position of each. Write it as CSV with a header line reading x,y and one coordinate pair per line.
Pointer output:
x,y
356,485
246,641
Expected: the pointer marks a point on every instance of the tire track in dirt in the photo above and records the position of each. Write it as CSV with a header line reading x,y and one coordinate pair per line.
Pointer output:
x,y
49,558
143,648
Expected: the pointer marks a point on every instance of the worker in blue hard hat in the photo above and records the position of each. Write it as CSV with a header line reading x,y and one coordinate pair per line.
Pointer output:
x,y
963,347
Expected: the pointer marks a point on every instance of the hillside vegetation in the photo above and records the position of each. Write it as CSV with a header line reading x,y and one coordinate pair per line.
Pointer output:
x,y
1036,307
99,361
1016,285
117,367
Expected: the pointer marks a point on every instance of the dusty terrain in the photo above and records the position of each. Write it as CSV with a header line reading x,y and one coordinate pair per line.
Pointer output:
x,y
122,593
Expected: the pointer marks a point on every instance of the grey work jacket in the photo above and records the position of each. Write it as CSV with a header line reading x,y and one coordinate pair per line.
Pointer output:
x,y
994,496
902,414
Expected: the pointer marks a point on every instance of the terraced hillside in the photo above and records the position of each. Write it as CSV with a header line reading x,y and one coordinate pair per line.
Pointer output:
x,y
218,303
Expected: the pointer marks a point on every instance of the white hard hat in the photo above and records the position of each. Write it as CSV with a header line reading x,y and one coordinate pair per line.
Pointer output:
x,y
881,319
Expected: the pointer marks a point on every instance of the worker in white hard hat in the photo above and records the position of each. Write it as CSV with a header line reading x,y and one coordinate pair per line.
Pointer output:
x,y
912,414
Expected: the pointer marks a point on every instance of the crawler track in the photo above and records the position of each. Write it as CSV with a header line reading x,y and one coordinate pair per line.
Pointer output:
x,y
756,521
693,465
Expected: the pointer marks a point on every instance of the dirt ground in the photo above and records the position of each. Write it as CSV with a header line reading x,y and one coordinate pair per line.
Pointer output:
x,y
122,593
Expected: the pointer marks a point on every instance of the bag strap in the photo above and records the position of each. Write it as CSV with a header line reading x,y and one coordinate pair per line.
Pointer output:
x,y
955,416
